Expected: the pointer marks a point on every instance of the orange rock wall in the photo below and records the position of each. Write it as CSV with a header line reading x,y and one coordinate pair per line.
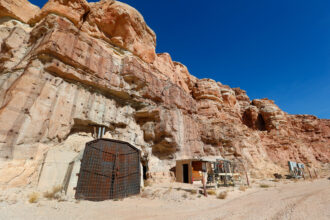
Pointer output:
x,y
76,64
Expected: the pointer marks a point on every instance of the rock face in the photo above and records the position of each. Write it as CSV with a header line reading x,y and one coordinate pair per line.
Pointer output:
x,y
74,10
75,65
21,10
122,26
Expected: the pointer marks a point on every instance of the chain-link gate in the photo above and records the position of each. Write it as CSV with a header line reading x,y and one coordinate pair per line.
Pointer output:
x,y
110,169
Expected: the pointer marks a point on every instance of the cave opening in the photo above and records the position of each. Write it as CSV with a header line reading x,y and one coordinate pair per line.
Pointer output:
x,y
260,124
247,119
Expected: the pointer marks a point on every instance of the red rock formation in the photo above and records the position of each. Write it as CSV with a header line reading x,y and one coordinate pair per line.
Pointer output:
x,y
122,26
21,10
80,64
74,10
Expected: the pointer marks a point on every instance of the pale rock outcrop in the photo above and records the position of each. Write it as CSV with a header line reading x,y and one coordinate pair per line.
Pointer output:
x,y
21,10
74,10
207,89
176,72
242,99
14,37
123,26
272,115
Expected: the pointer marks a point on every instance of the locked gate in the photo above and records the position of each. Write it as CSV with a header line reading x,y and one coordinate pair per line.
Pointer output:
x,y
110,169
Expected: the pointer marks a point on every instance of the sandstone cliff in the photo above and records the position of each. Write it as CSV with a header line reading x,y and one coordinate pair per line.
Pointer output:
x,y
74,64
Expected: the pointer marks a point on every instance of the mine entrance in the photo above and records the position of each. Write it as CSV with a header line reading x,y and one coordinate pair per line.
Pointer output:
x,y
185,173
110,169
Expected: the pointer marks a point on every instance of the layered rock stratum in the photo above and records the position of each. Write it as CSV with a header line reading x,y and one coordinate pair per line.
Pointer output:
x,y
74,65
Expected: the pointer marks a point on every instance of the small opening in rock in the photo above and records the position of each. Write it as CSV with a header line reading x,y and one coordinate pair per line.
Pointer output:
x,y
84,17
145,172
145,168
261,125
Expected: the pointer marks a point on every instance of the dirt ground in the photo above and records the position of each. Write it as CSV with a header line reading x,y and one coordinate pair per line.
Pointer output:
x,y
264,200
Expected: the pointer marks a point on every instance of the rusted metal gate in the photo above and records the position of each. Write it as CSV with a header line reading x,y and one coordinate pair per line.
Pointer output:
x,y
110,169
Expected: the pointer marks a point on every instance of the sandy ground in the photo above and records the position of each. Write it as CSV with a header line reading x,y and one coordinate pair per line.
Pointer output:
x,y
284,200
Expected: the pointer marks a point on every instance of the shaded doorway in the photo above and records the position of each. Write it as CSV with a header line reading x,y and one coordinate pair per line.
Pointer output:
x,y
145,167
145,170
185,173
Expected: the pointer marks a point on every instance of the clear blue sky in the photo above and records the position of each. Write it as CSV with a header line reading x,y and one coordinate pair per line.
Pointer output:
x,y
279,49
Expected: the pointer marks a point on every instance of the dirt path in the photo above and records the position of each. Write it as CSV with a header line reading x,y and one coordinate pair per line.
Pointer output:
x,y
293,201
302,200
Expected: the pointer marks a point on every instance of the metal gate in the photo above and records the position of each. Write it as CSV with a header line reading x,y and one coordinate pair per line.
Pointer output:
x,y
110,169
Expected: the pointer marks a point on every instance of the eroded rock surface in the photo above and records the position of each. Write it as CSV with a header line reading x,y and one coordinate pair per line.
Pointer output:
x,y
21,10
75,65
